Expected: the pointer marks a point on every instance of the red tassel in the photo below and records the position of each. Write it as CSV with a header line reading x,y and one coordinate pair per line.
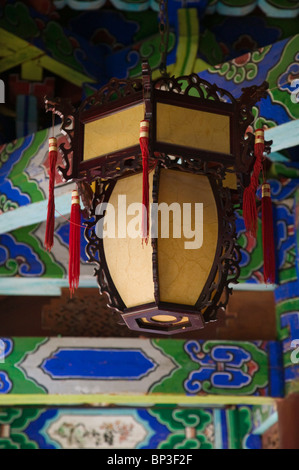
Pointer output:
x,y
74,243
249,205
144,145
49,235
268,235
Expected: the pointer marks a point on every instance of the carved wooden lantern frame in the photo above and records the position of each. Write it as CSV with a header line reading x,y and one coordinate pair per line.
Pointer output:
x,y
102,149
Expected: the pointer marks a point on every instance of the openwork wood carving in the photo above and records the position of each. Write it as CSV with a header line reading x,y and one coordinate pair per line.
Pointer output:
x,y
67,113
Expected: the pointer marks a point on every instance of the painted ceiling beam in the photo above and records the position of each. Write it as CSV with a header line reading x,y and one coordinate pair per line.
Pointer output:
x,y
18,57
283,136
277,157
16,51
34,213
42,286
142,400
188,40
62,70
273,8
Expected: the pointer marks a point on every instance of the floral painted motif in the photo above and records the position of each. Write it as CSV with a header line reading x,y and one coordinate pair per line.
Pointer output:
x,y
190,429
5,382
242,68
282,77
97,432
225,367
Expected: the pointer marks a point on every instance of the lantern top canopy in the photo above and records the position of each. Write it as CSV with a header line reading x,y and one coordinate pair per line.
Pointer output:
x,y
189,118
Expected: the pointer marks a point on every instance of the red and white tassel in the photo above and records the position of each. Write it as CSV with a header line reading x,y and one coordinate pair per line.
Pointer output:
x,y
249,204
49,235
268,235
74,243
144,145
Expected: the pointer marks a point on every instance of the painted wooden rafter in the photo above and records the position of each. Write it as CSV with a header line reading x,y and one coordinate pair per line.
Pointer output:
x,y
188,41
35,212
283,136
15,51
187,61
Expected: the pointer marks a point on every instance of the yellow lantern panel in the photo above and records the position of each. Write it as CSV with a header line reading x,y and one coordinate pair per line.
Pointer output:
x,y
165,318
230,180
184,272
112,133
193,128
128,260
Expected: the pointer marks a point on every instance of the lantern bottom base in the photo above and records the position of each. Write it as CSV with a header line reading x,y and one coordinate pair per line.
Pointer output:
x,y
162,320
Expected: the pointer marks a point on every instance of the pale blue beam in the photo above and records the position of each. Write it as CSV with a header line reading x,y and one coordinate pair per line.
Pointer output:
x,y
34,213
277,157
283,136
39,286
217,428
272,419
251,286
52,287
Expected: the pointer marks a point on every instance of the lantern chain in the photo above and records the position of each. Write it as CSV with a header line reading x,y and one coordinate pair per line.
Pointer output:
x,y
164,35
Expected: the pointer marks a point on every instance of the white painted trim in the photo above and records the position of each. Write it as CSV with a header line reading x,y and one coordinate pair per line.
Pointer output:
x,y
278,157
277,12
267,424
40,286
283,136
248,286
46,286
34,213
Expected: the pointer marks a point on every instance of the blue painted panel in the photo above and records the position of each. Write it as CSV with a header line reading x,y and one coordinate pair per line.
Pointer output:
x,y
224,430
106,364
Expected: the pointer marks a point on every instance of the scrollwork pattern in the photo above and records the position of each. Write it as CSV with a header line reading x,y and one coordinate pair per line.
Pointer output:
x,y
113,91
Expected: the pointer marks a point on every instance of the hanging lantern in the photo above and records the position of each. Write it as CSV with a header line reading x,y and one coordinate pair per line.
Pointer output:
x,y
170,284
190,171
